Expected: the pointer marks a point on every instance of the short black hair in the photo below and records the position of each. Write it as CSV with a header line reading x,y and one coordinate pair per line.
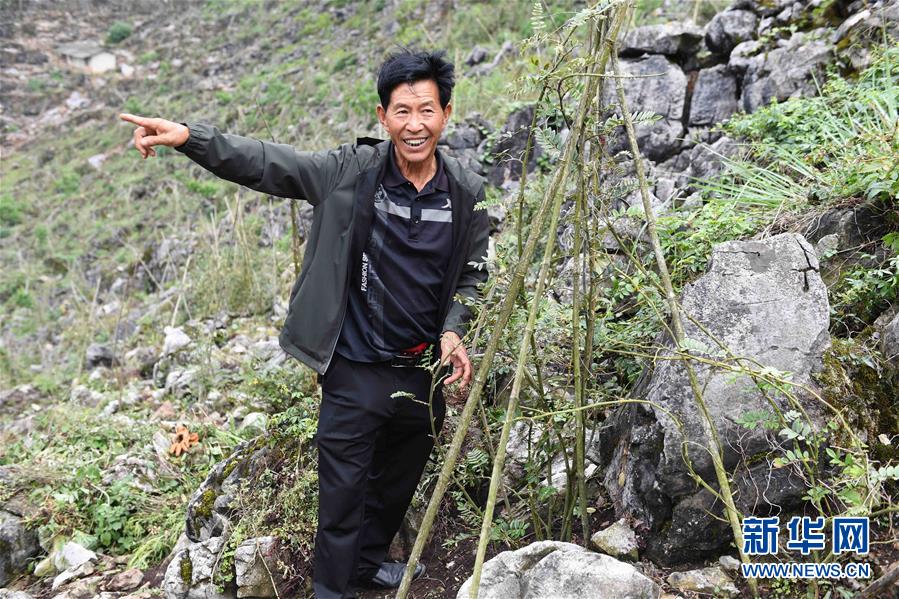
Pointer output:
x,y
408,67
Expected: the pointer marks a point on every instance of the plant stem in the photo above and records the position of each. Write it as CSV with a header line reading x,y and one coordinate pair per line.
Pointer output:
x,y
554,192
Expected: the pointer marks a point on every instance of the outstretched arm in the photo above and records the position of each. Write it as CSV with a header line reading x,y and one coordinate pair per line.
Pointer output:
x,y
276,169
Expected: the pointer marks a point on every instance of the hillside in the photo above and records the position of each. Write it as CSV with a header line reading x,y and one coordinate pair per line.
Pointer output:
x,y
140,296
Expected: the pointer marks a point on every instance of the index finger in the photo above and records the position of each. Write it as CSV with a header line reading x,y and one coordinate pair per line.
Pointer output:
x,y
137,120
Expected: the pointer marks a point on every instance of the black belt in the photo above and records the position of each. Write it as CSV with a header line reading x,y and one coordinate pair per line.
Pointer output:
x,y
409,359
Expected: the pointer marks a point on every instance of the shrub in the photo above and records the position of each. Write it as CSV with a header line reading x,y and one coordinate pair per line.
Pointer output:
x,y
118,31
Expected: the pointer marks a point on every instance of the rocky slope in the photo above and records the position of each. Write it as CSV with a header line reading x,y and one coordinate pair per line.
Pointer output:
x,y
147,296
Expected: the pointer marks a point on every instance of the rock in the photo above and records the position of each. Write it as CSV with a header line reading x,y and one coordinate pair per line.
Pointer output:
x,y
510,145
19,399
80,51
127,70
254,422
189,574
464,136
889,341
859,225
765,301
99,354
553,570
729,563
506,50
45,568
125,581
256,567
8,594
80,571
72,555
143,358
181,382
708,160
729,28
175,339
209,509
102,63
19,545
658,86
790,70
618,540
76,101
670,39
714,96
477,55
867,28
711,580
96,161
743,55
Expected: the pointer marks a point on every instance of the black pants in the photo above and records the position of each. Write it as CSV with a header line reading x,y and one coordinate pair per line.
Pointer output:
x,y
372,450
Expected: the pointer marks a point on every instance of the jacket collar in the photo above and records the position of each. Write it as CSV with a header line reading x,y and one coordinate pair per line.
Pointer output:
x,y
469,182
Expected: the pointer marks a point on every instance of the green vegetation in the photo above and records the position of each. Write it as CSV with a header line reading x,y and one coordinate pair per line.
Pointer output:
x,y
69,231
118,31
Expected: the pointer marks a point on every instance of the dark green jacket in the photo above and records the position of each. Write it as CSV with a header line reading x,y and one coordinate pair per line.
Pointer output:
x,y
340,184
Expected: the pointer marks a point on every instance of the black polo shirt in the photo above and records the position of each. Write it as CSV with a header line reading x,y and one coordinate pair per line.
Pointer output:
x,y
394,297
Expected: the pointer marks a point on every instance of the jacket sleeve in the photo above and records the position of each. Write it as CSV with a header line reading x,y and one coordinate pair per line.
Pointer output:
x,y
276,169
459,314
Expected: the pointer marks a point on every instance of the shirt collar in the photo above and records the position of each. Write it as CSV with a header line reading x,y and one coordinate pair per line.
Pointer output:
x,y
393,177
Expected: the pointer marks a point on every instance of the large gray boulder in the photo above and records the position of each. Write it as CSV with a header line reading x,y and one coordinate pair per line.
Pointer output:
x,y
788,71
729,28
714,96
656,85
557,570
670,39
765,301
17,546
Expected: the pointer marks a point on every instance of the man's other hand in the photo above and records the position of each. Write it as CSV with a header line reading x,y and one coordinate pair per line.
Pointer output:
x,y
453,352
155,132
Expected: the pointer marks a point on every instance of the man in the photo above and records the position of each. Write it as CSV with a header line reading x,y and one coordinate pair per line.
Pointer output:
x,y
394,238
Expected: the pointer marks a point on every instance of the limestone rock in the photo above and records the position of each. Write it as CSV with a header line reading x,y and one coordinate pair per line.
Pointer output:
x,y
670,39
658,86
126,581
175,339
729,563
85,569
729,28
189,574
557,570
788,71
714,96
889,341
102,63
765,301
256,567
509,148
19,545
209,508
99,354
618,540
711,580
72,555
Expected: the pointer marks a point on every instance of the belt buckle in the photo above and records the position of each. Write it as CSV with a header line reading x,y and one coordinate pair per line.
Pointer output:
x,y
403,361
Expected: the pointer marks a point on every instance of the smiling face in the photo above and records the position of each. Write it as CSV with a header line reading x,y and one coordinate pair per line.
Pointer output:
x,y
414,120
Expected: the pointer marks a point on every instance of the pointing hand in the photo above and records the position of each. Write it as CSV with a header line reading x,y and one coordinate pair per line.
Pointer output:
x,y
155,132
